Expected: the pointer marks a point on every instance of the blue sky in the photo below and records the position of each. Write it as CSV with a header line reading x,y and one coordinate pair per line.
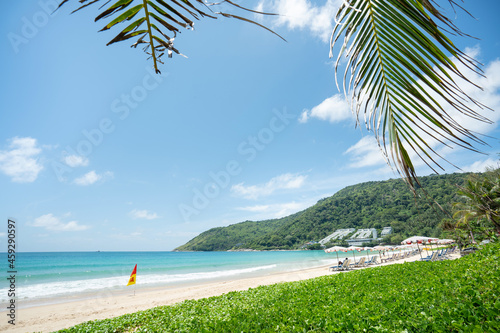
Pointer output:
x,y
97,153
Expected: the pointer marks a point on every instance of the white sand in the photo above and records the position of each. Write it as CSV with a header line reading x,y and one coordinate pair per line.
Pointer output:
x,y
53,317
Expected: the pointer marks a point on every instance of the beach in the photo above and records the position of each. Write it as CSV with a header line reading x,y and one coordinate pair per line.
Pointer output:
x,y
56,316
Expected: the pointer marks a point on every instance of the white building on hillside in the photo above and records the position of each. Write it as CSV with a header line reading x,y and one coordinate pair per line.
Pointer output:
x,y
338,234
363,236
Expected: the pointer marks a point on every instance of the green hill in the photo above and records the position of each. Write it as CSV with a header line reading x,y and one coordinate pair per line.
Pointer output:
x,y
367,205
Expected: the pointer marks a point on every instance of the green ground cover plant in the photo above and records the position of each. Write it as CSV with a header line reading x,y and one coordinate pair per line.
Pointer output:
x,y
460,295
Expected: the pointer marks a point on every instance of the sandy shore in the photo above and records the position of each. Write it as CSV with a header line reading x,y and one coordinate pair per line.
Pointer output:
x,y
48,318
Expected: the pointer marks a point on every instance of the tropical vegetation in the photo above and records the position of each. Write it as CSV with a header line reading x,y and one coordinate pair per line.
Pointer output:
x,y
368,205
156,23
477,216
403,79
445,296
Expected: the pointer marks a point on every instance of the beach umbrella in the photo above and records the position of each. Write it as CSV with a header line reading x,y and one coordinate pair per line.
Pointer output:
x,y
430,241
336,249
418,247
380,248
414,239
368,249
445,241
419,240
354,248
406,247
398,248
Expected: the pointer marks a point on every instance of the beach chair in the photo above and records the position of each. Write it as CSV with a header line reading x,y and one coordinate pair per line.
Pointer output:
x,y
335,268
360,263
388,259
345,265
353,264
372,261
426,258
433,257
442,255
340,267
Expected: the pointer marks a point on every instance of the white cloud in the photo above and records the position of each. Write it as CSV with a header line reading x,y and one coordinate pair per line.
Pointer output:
x,y
20,161
333,109
276,210
284,181
365,152
54,223
303,15
143,214
91,177
76,160
481,166
489,95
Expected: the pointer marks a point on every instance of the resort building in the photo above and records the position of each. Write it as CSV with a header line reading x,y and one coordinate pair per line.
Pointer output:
x,y
386,231
363,236
338,234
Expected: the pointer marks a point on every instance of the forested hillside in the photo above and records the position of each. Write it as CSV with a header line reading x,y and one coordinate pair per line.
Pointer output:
x,y
367,205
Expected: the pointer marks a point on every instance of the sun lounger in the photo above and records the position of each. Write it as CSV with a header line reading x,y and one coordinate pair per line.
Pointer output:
x,y
372,261
346,264
335,268
442,255
360,263
433,257
426,258
342,267
388,259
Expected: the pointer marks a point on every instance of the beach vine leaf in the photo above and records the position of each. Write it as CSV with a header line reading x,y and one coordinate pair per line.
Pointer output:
x,y
156,23
402,77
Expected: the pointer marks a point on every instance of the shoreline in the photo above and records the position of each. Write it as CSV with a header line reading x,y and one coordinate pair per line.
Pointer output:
x,y
67,313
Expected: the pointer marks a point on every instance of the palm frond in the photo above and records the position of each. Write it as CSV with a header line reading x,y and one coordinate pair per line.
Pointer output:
x,y
171,15
401,75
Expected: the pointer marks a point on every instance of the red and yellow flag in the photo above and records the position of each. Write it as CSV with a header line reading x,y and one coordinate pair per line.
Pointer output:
x,y
132,276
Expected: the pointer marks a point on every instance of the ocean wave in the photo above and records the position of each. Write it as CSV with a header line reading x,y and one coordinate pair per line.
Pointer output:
x,y
63,288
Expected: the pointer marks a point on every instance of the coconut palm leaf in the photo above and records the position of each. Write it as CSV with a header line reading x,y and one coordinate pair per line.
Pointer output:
x,y
401,75
171,15
481,201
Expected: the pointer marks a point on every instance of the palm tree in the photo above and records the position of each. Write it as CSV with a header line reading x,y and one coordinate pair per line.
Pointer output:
x,y
156,23
480,211
401,75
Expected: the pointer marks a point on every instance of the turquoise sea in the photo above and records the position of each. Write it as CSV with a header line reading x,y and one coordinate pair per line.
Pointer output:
x,y
55,275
